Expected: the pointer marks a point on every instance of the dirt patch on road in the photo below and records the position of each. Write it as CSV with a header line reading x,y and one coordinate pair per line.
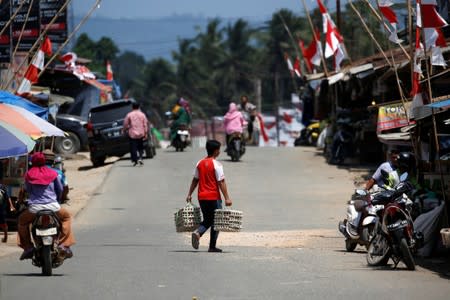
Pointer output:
x,y
317,238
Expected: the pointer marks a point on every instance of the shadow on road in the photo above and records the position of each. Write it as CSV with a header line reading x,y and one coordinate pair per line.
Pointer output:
x,y
30,275
437,265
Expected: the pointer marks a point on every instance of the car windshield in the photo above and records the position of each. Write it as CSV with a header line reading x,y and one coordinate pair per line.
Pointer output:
x,y
110,114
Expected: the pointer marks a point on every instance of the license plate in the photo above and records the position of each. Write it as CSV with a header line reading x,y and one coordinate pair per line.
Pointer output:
x,y
116,133
46,232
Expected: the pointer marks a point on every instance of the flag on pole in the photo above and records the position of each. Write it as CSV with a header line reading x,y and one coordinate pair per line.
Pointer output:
x,y
312,54
289,64
334,40
434,40
109,71
389,14
37,64
297,70
416,90
429,15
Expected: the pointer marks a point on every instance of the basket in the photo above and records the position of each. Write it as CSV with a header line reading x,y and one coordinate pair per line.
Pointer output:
x,y
187,218
445,234
228,220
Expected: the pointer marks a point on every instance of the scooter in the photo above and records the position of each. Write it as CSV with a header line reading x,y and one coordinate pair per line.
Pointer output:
x,y
395,238
362,220
182,138
309,135
236,146
45,230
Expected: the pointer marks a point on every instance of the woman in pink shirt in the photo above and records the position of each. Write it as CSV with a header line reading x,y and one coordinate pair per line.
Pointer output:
x,y
233,121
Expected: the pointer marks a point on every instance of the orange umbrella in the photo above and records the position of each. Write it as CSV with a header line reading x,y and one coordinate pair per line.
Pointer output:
x,y
14,118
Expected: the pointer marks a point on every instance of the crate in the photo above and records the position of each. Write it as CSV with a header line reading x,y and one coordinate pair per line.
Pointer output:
x,y
228,220
445,234
188,218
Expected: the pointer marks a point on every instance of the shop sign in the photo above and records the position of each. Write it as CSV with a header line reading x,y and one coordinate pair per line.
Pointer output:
x,y
27,29
392,116
58,30
5,37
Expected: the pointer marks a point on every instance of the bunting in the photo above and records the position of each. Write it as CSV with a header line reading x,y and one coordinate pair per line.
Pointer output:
x,y
37,64
390,15
334,41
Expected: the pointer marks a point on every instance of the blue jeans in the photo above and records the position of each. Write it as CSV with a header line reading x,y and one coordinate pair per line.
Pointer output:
x,y
136,148
208,207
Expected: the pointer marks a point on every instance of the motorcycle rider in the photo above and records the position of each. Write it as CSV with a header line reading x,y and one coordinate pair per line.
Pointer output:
x,y
43,189
249,112
180,117
389,166
233,122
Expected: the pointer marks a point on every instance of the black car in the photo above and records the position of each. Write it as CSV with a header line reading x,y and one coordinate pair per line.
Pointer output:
x,y
105,135
76,138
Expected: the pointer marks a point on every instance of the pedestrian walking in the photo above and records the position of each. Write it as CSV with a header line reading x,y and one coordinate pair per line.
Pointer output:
x,y
210,178
136,126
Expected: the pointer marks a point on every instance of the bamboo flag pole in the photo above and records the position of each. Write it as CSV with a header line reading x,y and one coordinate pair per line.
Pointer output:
x,y
37,42
316,38
375,13
12,17
23,28
297,51
369,32
86,17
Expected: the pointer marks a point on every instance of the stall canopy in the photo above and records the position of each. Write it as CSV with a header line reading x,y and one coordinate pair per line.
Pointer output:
x,y
14,142
425,111
8,98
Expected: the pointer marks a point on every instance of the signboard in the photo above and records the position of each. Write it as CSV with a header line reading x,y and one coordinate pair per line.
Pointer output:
x,y
58,30
31,26
392,116
5,37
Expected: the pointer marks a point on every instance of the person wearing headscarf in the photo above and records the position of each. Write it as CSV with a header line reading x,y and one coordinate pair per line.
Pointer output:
x,y
180,117
233,121
43,189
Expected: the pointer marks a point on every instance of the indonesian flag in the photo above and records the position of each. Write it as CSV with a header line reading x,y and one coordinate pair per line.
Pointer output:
x,y
37,64
389,14
416,90
427,16
69,59
109,71
334,40
80,71
297,70
434,40
313,53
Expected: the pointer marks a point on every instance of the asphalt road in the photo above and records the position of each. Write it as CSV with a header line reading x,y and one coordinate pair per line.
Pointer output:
x,y
289,249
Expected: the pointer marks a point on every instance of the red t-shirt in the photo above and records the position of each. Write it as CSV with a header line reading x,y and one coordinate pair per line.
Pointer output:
x,y
209,172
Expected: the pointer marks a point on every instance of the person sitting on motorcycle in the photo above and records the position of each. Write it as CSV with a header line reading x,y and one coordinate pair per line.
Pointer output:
x,y
180,117
233,121
43,189
389,167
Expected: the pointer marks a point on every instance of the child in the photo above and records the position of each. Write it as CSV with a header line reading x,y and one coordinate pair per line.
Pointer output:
x,y
209,177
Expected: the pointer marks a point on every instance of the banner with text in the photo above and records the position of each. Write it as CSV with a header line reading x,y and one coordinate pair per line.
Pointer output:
x,y
5,37
392,116
25,30
58,30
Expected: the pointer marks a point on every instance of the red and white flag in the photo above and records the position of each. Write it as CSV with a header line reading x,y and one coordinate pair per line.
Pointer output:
x,y
429,17
297,70
289,64
334,40
416,90
37,64
109,71
434,40
389,14
312,54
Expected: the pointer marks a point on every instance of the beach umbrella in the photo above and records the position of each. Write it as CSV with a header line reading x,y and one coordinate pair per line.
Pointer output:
x,y
13,142
27,122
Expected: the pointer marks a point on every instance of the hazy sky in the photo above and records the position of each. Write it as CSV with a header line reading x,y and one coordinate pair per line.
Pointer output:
x,y
207,8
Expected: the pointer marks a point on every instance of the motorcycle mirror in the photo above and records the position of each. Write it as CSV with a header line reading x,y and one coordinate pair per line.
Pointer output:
x,y
404,176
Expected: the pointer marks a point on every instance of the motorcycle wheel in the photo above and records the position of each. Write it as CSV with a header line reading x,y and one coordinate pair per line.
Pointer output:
x,y
46,260
379,251
368,233
406,254
350,245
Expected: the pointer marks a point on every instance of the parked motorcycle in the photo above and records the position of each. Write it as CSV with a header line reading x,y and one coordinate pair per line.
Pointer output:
x,y
45,231
309,135
236,146
395,238
182,138
342,146
362,220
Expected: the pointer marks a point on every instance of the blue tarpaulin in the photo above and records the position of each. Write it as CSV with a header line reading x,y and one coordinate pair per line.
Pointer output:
x,y
440,104
8,98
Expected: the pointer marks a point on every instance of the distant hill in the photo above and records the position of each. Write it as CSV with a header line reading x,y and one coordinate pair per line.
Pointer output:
x,y
151,38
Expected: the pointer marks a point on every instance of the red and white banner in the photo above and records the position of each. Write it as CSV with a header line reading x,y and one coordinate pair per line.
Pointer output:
x,y
37,64
429,17
389,14
297,70
82,72
312,54
334,41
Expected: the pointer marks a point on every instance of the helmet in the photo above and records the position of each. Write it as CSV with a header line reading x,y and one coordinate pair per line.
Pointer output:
x,y
405,160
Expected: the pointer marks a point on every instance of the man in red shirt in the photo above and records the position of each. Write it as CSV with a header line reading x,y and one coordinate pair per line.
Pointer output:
x,y
136,124
209,177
